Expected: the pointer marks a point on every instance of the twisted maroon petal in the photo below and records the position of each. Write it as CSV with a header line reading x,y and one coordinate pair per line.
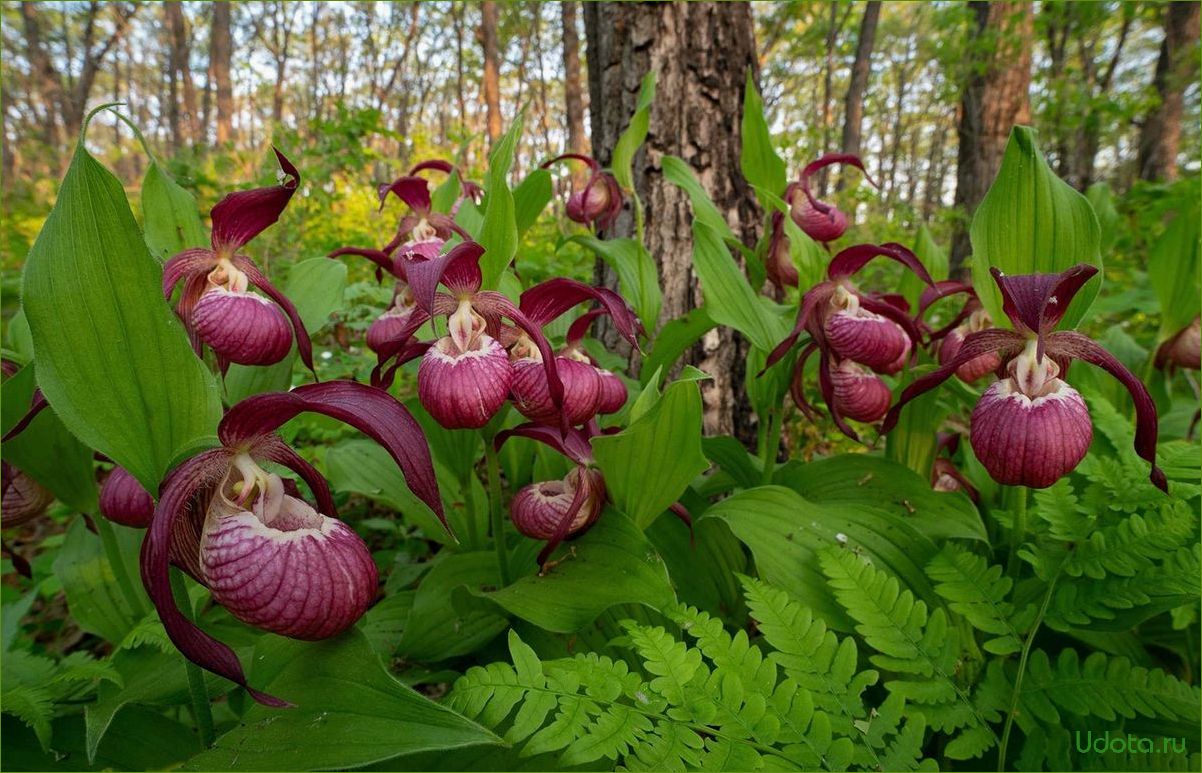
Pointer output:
x,y
414,191
1068,343
797,383
494,303
37,404
243,215
592,162
826,385
382,374
573,444
192,261
437,164
548,300
372,411
579,497
304,346
459,269
817,294
1037,302
187,480
942,289
1005,342
579,328
273,449
854,258
379,257
826,160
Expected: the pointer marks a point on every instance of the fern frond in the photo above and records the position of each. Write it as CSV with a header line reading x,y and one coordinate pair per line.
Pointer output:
x,y
977,592
1133,545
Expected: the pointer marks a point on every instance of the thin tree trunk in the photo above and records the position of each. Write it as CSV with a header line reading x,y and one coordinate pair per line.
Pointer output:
x,y
221,52
700,53
832,37
1176,68
181,61
853,104
44,74
572,93
492,69
994,99
457,22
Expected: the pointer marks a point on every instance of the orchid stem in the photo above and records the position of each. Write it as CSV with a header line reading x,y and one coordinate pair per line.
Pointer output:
x,y
202,712
771,445
1022,669
496,512
1018,530
112,552
469,505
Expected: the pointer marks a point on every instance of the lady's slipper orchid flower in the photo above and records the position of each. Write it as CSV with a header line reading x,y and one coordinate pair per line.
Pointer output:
x,y
465,375
853,331
23,497
1031,428
588,389
972,318
266,555
124,501
1183,350
467,188
598,203
216,305
821,221
778,263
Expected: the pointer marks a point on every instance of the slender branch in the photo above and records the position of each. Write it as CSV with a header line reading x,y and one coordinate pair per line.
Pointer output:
x,y
1022,669
496,511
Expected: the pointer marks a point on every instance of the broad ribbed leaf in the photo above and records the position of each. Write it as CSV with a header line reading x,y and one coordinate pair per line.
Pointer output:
x,y
350,712
112,358
673,340
679,173
499,231
729,300
612,564
170,216
531,197
761,165
636,131
45,450
1175,271
637,276
94,598
433,616
1032,222
935,260
648,465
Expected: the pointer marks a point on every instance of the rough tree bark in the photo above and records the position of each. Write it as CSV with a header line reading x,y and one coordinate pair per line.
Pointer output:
x,y
492,69
700,53
221,52
572,91
1160,137
853,103
995,97
185,126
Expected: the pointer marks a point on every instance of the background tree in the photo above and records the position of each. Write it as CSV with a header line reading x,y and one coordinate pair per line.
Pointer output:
x,y
1176,68
853,103
700,53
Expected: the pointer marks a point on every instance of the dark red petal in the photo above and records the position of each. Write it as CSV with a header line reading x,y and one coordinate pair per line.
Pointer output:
x,y
372,411
592,163
382,375
574,444
548,300
1005,342
827,385
414,191
1068,343
833,158
36,404
437,164
613,206
580,326
447,226
459,269
797,384
192,261
304,346
854,258
494,303
817,294
379,257
243,215
181,485
892,312
276,450
942,289
1037,302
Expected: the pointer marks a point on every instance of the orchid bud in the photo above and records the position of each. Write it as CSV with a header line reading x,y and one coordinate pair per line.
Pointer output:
x,y
778,263
862,336
23,497
464,388
1184,350
598,203
281,565
821,222
538,509
858,394
1031,428
532,397
978,367
242,327
124,501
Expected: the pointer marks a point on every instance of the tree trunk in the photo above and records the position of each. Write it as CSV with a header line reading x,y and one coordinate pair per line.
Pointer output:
x,y
572,91
700,53
180,60
1176,68
44,74
221,52
853,104
492,69
994,99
